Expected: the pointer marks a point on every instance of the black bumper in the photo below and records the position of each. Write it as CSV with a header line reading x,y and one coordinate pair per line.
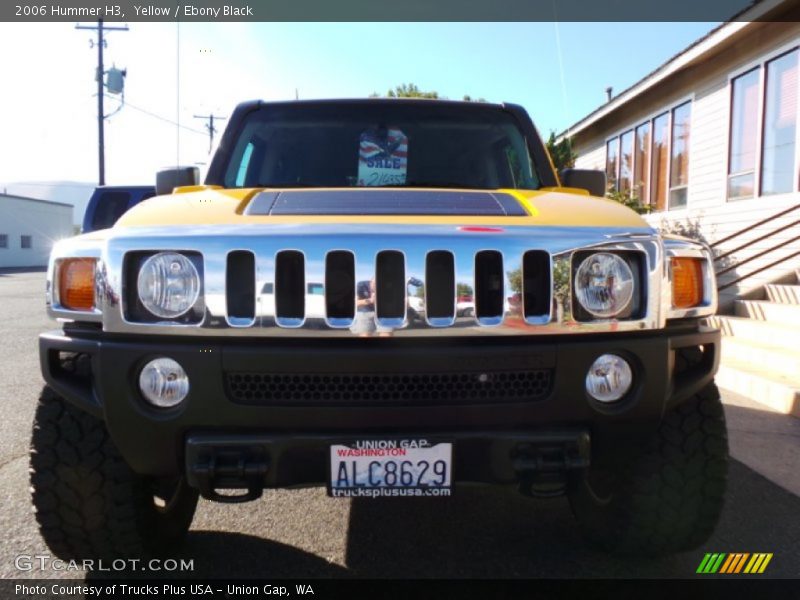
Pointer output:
x,y
291,430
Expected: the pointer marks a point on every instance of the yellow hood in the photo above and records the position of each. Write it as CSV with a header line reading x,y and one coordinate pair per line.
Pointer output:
x,y
546,207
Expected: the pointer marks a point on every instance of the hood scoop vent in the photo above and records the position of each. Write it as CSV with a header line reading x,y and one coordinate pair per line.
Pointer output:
x,y
384,202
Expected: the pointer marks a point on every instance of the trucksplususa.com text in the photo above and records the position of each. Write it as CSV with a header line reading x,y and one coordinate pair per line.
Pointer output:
x,y
386,492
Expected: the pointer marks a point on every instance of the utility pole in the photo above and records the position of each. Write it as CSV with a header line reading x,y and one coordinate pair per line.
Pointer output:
x,y
210,127
101,151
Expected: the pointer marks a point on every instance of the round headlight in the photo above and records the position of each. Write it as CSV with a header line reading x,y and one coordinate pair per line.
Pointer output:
x,y
163,383
168,284
609,378
604,284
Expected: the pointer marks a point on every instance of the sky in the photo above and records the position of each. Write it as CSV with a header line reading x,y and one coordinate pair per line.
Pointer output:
x,y
48,126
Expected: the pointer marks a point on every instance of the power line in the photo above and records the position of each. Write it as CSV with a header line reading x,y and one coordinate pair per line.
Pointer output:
x,y
160,118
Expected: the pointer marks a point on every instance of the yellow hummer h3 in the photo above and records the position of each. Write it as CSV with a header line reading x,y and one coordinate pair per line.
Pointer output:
x,y
388,298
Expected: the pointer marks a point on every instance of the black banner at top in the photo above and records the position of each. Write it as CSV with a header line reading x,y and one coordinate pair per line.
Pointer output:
x,y
399,10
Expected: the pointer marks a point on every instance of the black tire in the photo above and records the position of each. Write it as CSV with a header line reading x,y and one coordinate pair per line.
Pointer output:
x,y
665,496
88,501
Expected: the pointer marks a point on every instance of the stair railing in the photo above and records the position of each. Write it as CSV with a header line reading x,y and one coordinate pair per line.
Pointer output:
x,y
770,233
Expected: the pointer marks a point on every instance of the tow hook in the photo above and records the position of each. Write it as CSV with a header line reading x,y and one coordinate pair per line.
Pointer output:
x,y
542,470
229,468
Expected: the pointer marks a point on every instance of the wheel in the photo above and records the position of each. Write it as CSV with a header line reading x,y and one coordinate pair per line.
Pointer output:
x,y
665,496
469,312
88,501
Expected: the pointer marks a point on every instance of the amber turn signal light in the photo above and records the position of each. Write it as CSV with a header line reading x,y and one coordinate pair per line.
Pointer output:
x,y
687,282
76,283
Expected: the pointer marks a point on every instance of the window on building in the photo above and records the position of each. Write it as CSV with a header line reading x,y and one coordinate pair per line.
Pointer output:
x,y
641,162
762,158
679,165
651,161
626,162
26,242
3,240
743,136
612,147
780,119
659,162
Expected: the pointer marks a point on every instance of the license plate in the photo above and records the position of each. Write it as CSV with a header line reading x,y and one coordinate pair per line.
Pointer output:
x,y
381,468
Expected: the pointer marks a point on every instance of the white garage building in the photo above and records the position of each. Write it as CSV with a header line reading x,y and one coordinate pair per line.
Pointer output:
x,y
28,229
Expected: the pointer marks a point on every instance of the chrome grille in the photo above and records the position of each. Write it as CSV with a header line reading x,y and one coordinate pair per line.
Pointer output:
x,y
303,280
386,293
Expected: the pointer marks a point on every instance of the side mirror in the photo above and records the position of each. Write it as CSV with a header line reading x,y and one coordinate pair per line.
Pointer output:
x,y
168,179
592,181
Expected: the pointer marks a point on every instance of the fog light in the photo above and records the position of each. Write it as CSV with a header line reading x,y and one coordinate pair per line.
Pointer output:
x,y
609,378
163,382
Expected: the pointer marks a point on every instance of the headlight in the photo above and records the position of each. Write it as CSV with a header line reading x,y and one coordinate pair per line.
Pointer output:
x,y
604,285
168,284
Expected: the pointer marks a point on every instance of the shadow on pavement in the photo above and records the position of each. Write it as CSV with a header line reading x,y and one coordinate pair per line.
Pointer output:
x,y
225,555
496,533
764,440
490,532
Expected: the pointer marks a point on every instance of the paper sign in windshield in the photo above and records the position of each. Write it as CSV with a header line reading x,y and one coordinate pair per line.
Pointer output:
x,y
382,157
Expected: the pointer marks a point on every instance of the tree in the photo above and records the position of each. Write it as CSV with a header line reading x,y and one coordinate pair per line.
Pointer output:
x,y
411,90
561,152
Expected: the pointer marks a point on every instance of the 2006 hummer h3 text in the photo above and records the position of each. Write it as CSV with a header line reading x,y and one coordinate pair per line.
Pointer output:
x,y
389,298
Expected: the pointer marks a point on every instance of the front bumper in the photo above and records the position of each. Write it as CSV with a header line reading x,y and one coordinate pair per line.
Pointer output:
x,y
292,432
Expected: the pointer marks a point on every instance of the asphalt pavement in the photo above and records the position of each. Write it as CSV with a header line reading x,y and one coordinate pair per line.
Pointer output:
x,y
480,532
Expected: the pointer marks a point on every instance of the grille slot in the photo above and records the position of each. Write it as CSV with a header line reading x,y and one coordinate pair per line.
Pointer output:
x,y
290,293
240,288
390,288
320,389
536,286
340,288
440,288
489,287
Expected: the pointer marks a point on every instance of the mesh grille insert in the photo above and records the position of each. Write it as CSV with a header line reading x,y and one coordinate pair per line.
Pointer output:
x,y
396,388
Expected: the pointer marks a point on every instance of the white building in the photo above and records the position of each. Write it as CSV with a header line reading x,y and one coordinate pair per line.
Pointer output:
x,y
28,229
710,141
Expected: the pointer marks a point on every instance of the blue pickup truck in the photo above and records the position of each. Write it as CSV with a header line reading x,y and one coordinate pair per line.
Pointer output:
x,y
109,202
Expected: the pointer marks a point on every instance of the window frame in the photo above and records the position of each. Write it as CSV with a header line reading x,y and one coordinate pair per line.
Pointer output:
x,y
648,166
757,160
649,118
761,64
616,140
632,132
685,186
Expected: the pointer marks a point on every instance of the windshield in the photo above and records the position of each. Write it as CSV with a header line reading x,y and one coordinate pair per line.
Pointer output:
x,y
386,144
